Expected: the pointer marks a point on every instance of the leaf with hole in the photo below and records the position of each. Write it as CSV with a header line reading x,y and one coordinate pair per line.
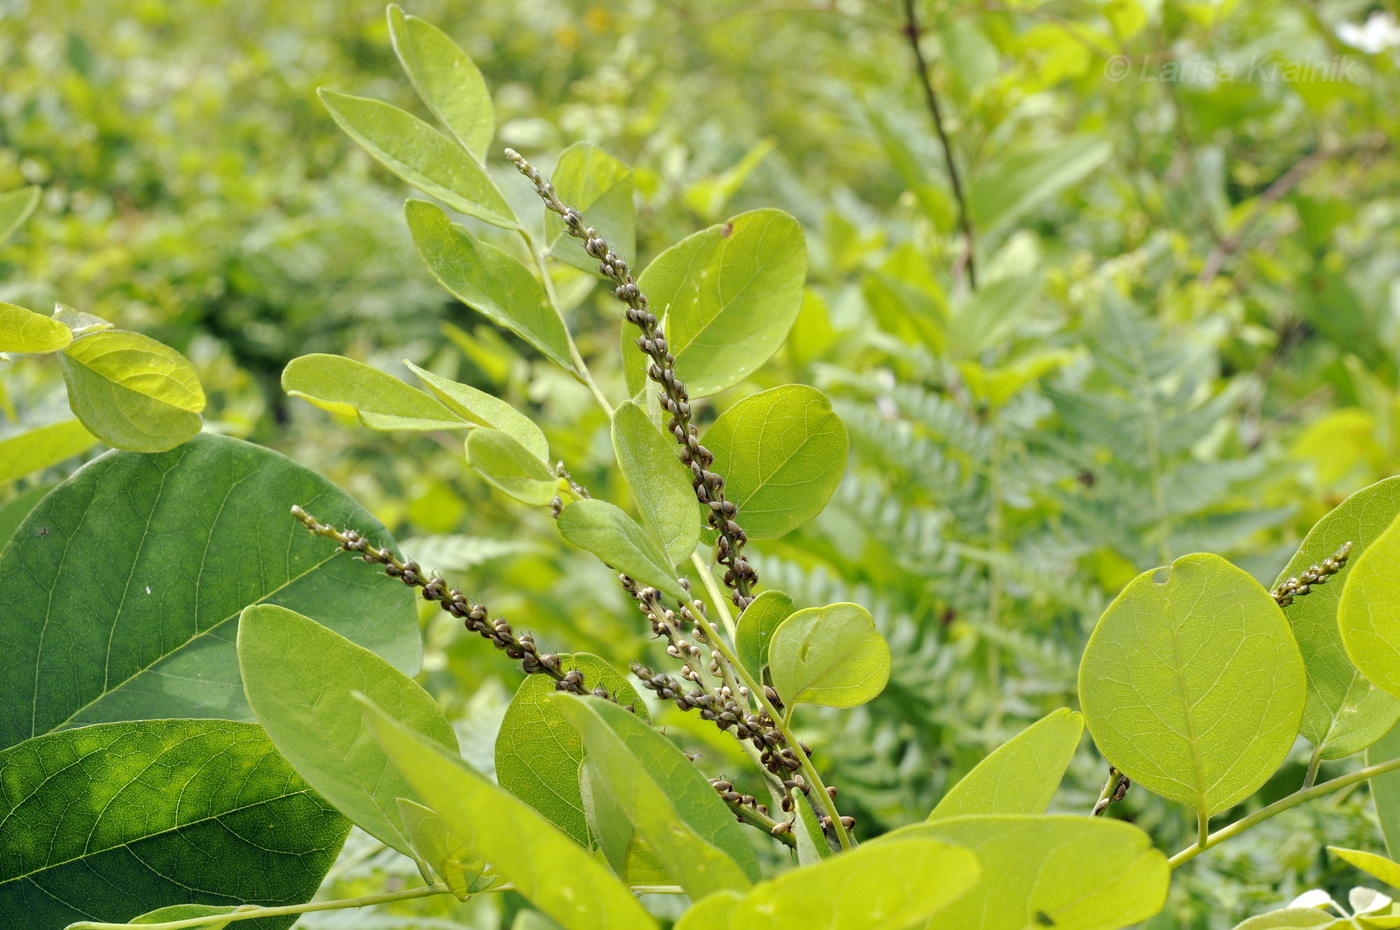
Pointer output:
x,y
782,453
345,386
729,295
131,391
1022,775
1194,687
830,655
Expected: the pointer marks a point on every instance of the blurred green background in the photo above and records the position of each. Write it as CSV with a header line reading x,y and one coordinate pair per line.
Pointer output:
x,y
1195,265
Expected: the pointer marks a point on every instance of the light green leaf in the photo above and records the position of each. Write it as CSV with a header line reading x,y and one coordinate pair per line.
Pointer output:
x,y
1047,870
490,281
659,482
1344,712
510,467
756,626
729,295
991,312
549,869
421,155
1369,611
131,391
446,79
1292,918
188,912
830,655
549,781
345,386
15,207
621,544
1370,863
1385,789
1008,189
666,797
1194,688
41,447
628,854
1022,775
435,843
24,330
120,592
879,886
109,822
299,678
599,187
782,453
482,409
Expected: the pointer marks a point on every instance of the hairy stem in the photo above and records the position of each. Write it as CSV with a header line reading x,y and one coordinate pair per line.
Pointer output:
x,y
1278,807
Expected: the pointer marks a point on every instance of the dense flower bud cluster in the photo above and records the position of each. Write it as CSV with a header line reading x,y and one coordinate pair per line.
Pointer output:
x,y
1299,585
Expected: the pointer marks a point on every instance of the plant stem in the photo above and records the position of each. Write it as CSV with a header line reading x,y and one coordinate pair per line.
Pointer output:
x,y
1202,828
253,912
716,595
1313,764
1278,807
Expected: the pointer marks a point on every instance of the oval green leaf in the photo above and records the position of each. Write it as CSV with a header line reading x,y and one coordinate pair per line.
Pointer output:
x,y
548,868
668,800
41,447
490,281
481,409
131,391
549,781
1054,871
617,839
782,453
299,678
24,330
120,592
1344,712
600,187
510,467
756,625
112,821
659,482
621,544
1022,775
1370,863
1369,611
420,155
1194,688
345,386
830,655
896,883
729,295
446,79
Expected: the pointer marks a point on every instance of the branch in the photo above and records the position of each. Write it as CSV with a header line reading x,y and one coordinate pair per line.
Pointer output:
x,y
912,31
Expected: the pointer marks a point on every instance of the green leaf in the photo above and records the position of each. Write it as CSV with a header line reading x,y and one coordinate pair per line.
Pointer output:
x,y
549,781
492,282
482,409
621,544
756,626
1047,870
13,512
1022,775
299,678
132,392
1369,611
24,330
41,447
616,838
421,155
666,797
832,656
1194,687
435,843
1385,789
120,592
659,482
510,467
992,311
15,207
1292,918
345,386
1007,190
782,453
78,321
188,912
446,79
599,187
729,294
109,822
1370,863
889,884
1344,712
549,869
